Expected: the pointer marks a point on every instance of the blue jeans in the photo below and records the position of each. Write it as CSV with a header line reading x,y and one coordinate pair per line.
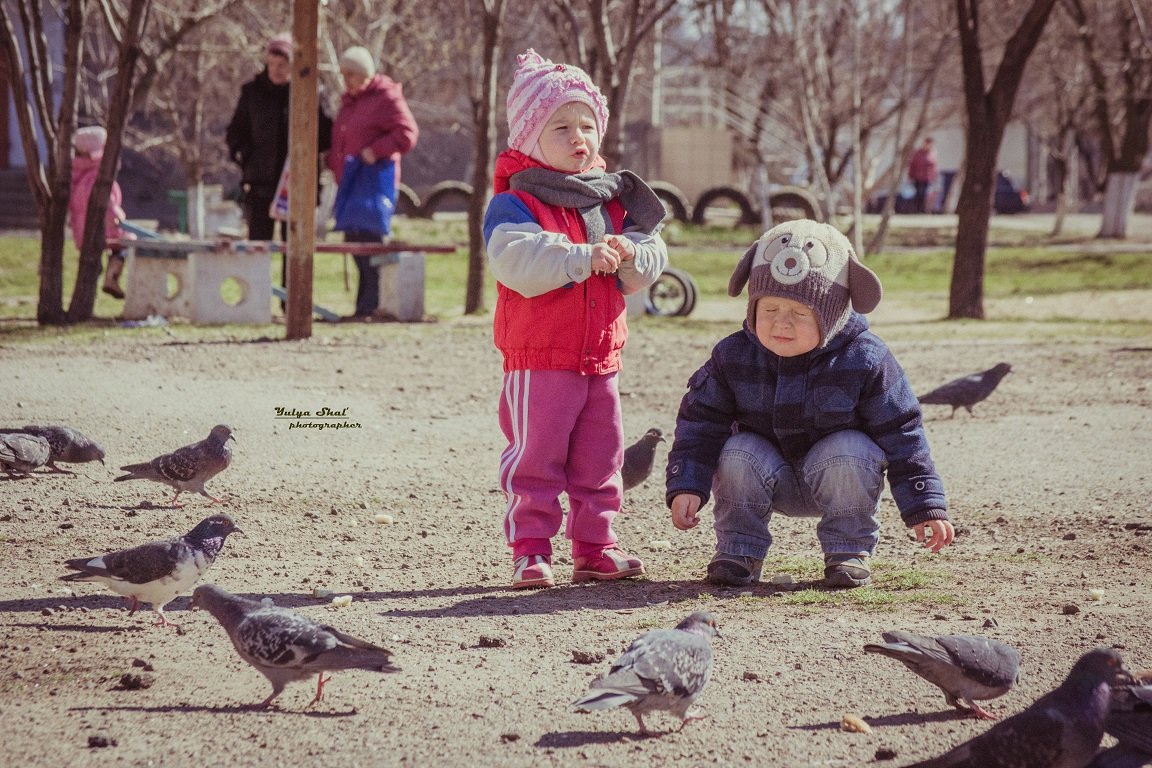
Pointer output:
x,y
839,481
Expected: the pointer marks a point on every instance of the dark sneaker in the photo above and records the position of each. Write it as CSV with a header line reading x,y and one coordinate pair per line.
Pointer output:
x,y
846,571
734,570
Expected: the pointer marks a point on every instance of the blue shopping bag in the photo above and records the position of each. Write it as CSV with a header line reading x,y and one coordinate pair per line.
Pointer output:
x,y
366,197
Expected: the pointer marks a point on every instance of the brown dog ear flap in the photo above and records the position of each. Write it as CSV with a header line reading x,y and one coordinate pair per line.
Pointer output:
x,y
743,269
863,286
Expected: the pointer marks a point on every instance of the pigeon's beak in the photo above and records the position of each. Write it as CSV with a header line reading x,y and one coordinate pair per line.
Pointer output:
x,y
237,530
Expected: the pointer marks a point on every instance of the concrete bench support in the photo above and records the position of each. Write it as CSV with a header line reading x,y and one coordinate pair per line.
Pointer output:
x,y
147,287
212,269
401,286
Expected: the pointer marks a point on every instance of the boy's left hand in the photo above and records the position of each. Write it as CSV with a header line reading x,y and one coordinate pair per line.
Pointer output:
x,y
935,534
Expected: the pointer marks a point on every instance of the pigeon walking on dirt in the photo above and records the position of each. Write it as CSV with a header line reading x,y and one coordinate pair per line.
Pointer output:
x,y
286,646
20,453
65,444
157,571
638,459
665,669
1061,729
190,467
966,391
965,667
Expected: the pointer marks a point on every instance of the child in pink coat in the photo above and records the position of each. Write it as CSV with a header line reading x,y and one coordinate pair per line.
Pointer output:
x,y
89,145
566,241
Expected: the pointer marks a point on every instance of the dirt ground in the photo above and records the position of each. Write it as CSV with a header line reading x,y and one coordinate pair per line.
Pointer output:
x,y
1049,486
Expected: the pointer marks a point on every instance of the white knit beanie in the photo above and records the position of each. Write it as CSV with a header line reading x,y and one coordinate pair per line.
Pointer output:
x,y
358,59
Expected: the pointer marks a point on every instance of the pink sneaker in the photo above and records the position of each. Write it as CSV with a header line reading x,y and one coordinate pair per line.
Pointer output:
x,y
608,564
532,572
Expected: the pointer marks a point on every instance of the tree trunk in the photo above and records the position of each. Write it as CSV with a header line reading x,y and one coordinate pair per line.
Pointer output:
x,y
88,273
1119,201
973,209
484,152
988,110
53,219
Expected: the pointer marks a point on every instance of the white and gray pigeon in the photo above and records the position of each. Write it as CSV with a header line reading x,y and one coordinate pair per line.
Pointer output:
x,y
190,467
20,453
966,391
1061,729
158,571
1130,721
967,668
639,458
664,669
65,444
286,646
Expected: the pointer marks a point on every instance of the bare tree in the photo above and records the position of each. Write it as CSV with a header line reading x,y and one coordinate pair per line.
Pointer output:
x,y
611,59
49,176
490,15
988,109
127,27
1117,47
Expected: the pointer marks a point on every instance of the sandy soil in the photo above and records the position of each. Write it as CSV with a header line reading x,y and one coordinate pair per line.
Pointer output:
x,y
1049,486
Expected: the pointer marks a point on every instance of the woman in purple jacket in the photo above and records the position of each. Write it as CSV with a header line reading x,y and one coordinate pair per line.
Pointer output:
x,y
375,124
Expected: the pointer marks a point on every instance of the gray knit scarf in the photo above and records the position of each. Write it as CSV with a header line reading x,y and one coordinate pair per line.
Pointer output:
x,y
587,192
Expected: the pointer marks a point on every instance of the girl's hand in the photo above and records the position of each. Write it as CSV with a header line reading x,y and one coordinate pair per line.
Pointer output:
x,y
605,260
624,247
367,155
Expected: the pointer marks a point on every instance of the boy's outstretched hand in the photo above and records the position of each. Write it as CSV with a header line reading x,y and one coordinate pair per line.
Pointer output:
x,y
934,534
685,509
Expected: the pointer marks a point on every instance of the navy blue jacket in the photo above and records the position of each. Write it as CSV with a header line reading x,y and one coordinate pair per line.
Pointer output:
x,y
852,382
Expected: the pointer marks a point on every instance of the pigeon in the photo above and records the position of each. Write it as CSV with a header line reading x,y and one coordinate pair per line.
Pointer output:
x,y
966,391
1061,729
638,458
286,646
1130,721
664,669
157,571
20,454
65,444
188,468
966,668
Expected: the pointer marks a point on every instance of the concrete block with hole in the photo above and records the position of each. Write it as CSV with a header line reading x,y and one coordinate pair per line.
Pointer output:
x,y
230,287
158,282
401,286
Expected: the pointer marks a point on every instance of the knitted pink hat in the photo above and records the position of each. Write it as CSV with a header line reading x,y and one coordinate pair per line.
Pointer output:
x,y
90,140
281,45
539,88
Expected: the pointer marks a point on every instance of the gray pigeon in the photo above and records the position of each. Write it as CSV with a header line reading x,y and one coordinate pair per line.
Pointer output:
x,y
1061,729
1130,721
190,467
638,458
966,668
20,454
65,444
286,646
665,669
157,571
966,391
